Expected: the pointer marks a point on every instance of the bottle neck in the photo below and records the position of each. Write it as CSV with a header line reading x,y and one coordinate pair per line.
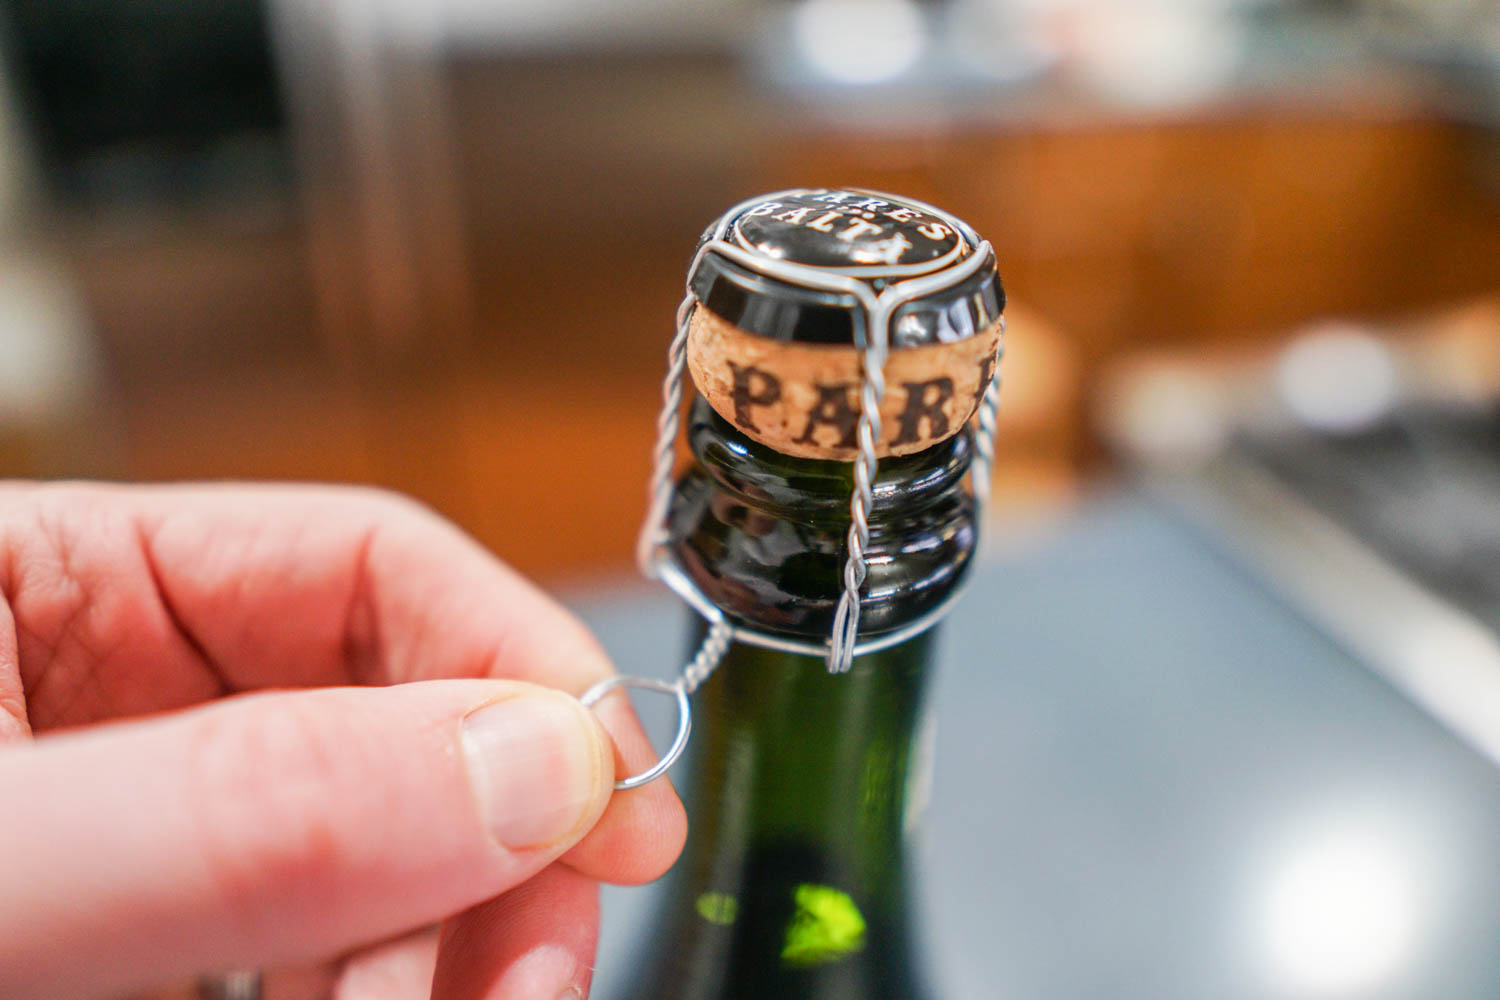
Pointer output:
x,y
764,535
802,790
804,783
816,760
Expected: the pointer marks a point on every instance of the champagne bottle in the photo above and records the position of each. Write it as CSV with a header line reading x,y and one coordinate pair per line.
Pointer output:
x,y
805,784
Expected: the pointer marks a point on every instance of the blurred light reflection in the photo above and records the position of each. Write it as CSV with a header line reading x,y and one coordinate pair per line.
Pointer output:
x,y
1342,911
859,42
1337,378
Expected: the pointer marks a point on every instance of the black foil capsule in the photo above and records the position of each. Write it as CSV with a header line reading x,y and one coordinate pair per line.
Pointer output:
x,y
875,238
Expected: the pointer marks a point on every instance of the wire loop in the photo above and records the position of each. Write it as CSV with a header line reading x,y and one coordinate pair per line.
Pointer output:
x,y
684,722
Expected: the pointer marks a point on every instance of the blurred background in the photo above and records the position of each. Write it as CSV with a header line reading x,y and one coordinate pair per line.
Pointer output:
x,y
438,245
1253,254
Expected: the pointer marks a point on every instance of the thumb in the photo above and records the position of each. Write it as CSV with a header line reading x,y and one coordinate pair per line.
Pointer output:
x,y
279,827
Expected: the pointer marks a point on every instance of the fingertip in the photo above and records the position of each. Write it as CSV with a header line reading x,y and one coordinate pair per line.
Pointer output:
x,y
538,940
402,967
642,830
636,841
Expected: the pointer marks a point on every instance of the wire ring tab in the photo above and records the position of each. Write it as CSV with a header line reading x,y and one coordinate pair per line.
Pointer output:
x,y
684,721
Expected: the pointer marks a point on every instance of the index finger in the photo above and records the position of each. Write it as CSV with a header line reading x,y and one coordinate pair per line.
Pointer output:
x,y
136,599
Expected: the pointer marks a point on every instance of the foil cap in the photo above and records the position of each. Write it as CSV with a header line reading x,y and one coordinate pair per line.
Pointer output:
x,y
869,236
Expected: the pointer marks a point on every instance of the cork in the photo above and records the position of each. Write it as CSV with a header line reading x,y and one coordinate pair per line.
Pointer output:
x,y
802,399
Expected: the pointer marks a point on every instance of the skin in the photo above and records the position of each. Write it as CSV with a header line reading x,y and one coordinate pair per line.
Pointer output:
x,y
228,721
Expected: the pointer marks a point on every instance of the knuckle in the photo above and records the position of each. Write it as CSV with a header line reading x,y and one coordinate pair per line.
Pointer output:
x,y
388,505
395,517
263,801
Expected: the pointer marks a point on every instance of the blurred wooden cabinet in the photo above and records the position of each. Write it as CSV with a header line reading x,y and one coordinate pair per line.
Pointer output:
x,y
533,431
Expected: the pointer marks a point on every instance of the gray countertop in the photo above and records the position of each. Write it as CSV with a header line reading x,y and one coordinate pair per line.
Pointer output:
x,y
1154,779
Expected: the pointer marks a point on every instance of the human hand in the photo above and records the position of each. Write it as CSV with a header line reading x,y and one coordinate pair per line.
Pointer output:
x,y
432,776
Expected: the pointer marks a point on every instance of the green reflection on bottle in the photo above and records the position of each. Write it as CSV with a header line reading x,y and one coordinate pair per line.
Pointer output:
x,y
826,927
717,907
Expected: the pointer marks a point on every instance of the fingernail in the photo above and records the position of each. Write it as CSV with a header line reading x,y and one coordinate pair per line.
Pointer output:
x,y
535,761
571,993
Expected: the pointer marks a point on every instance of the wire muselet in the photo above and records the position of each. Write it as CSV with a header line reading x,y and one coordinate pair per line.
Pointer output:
x,y
653,554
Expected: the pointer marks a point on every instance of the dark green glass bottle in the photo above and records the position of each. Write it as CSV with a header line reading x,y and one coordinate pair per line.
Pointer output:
x,y
804,785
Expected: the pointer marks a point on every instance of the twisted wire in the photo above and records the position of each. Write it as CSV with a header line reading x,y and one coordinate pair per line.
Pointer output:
x,y
846,618
984,440
654,528
710,652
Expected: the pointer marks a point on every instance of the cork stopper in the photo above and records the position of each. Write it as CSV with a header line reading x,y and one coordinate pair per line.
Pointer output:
x,y
788,286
